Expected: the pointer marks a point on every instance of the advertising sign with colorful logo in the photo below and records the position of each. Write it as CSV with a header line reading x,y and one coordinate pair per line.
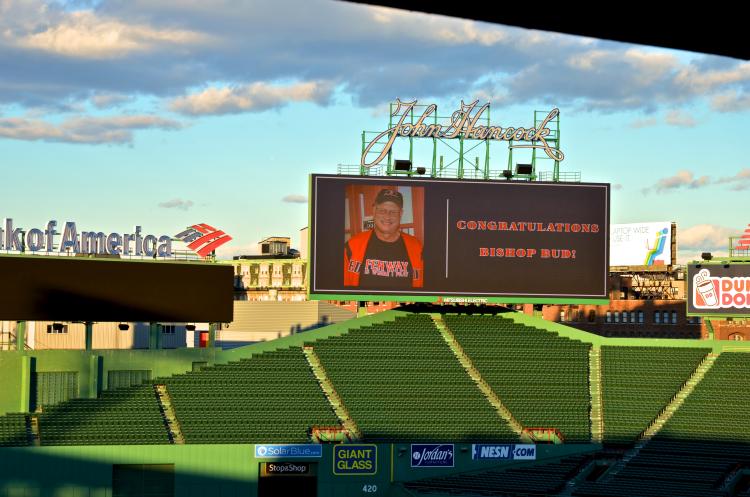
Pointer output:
x,y
268,451
722,289
432,455
351,459
203,238
641,244
518,452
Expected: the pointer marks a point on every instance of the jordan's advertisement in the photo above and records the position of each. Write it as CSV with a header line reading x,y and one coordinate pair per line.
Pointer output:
x,y
718,289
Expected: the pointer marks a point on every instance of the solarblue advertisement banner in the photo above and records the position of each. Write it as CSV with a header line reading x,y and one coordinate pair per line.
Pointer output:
x,y
266,451
517,452
355,459
432,455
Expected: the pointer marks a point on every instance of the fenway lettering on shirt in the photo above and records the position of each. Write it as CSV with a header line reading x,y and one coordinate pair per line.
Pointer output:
x,y
386,266
388,269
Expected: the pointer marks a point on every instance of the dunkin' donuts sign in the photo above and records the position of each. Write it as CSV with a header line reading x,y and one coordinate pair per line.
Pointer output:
x,y
719,289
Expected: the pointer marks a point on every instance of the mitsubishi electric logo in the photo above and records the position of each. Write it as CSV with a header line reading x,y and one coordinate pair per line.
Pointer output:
x,y
203,239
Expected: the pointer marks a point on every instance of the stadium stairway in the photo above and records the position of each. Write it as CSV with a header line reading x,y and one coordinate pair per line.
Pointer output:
x,y
34,429
664,416
595,389
465,361
333,397
167,410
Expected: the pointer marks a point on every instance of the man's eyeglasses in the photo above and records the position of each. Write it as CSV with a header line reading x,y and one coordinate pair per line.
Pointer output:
x,y
388,212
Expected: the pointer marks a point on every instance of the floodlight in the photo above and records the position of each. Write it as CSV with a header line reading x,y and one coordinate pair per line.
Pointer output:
x,y
524,169
402,165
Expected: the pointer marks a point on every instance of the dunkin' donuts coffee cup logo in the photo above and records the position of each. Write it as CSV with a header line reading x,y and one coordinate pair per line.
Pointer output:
x,y
710,292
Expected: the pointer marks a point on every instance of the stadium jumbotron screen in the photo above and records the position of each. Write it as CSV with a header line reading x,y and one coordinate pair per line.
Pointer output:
x,y
433,240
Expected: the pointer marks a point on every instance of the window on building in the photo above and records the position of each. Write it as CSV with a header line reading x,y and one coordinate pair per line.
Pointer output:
x,y
657,317
57,328
640,317
617,316
624,317
562,316
608,319
167,329
592,316
674,317
665,317
580,315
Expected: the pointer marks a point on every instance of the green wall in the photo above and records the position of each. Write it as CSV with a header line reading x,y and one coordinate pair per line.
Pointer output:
x,y
93,366
225,470
14,376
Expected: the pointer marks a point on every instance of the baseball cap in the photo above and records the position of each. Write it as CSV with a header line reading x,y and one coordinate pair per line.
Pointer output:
x,y
388,195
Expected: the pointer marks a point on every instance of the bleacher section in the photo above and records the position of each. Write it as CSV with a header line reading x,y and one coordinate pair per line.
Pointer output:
x,y
400,381
13,430
638,382
536,480
124,416
272,397
699,447
542,378
719,407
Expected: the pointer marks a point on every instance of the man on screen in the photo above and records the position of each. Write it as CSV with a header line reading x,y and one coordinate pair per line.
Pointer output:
x,y
384,258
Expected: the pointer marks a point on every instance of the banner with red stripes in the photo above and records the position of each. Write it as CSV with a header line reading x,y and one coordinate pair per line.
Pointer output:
x,y
203,238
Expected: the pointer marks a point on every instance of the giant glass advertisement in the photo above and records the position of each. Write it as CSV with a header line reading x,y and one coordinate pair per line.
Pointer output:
x,y
433,240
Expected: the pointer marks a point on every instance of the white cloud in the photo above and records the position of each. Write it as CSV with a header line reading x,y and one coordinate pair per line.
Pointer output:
x,y
650,66
106,100
679,118
437,28
705,237
176,203
254,97
740,181
187,53
698,82
683,178
229,250
644,123
89,130
295,199
85,35
731,101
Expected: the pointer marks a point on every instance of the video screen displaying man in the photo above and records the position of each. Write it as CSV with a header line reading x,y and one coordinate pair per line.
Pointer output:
x,y
384,257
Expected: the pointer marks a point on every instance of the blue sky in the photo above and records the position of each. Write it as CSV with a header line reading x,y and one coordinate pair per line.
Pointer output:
x,y
168,113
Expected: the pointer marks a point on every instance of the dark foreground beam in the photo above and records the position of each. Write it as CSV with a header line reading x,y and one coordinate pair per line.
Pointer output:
x,y
83,289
